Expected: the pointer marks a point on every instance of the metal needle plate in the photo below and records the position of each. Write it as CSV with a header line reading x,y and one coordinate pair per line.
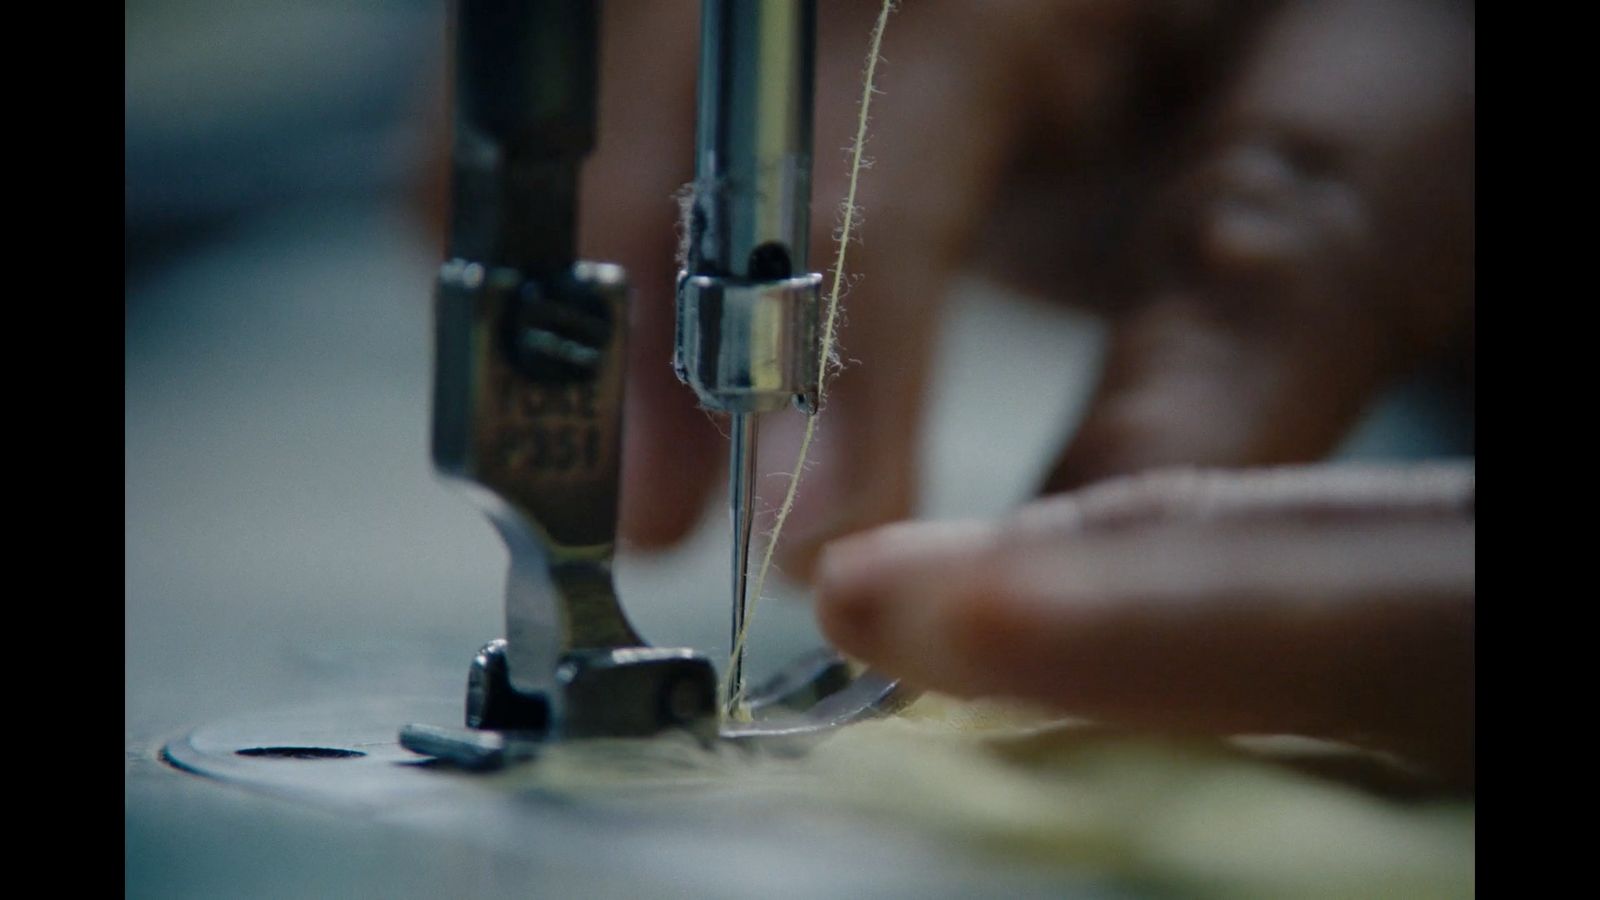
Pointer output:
x,y
870,696
800,705
351,749
343,754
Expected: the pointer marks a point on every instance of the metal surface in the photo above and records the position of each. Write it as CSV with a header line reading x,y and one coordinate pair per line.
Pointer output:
x,y
525,86
535,440
658,832
784,733
741,493
530,348
528,383
749,346
491,701
528,414
635,692
751,216
871,695
747,338
747,308
472,749
365,726
799,685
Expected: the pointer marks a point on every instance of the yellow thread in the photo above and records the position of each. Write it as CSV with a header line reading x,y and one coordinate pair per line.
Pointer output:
x,y
825,354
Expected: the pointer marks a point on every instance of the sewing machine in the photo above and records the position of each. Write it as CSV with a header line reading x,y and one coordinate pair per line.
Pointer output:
x,y
529,371
301,588
529,379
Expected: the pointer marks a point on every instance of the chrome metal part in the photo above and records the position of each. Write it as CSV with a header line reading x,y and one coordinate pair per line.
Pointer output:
x,y
870,696
344,750
747,314
749,346
491,701
534,435
801,684
799,706
747,309
751,216
637,692
471,748
528,403
528,386
741,506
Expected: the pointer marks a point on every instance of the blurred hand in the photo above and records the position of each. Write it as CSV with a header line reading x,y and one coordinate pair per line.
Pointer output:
x,y
1331,602
1272,200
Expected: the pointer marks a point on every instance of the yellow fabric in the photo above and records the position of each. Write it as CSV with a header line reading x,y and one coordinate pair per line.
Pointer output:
x,y
1026,788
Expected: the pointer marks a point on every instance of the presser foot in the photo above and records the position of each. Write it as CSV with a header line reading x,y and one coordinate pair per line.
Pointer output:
x,y
615,692
639,692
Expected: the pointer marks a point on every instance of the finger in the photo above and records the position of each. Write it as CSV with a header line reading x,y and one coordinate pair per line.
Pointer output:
x,y
1353,631
1295,277
1187,383
643,155
941,130
1299,495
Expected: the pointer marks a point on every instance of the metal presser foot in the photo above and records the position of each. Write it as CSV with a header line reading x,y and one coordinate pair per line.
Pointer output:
x,y
804,702
529,378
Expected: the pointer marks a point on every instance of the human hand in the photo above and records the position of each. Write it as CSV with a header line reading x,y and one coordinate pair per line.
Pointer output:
x,y
1274,201
1333,602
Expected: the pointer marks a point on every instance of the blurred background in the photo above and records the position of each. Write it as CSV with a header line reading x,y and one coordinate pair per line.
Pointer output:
x,y
282,522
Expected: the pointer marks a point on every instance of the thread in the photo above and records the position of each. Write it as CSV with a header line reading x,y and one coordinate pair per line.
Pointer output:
x,y
825,352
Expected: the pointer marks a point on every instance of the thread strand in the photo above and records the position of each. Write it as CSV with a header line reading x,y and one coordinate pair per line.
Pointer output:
x,y
825,353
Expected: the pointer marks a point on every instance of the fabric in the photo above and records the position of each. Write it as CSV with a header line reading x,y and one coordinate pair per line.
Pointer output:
x,y
1200,817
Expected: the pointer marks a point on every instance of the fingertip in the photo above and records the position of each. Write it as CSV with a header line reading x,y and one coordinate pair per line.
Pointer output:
x,y
855,579
849,608
874,590
799,554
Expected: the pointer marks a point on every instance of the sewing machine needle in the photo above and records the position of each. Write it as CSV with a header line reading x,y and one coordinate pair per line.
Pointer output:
x,y
741,499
